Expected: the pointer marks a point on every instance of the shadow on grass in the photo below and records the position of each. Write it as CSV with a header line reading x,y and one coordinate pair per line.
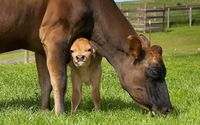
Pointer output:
x,y
110,104
32,104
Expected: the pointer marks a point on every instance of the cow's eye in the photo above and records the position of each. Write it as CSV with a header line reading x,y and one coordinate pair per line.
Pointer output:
x,y
153,73
71,51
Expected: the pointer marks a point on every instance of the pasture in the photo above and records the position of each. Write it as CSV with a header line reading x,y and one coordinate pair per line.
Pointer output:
x,y
20,93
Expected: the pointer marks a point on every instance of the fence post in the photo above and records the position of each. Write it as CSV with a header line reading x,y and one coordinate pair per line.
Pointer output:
x,y
168,22
149,30
163,21
145,20
120,6
145,15
190,16
154,14
127,14
26,56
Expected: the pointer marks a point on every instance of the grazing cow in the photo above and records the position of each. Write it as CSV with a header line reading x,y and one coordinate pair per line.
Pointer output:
x,y
85,68
49,27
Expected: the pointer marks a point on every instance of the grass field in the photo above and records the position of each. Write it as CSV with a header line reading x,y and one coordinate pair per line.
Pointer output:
x,y
14,55
179,40
19,93
19,90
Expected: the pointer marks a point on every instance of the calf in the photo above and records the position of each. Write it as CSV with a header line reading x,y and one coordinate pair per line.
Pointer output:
x,y
85,68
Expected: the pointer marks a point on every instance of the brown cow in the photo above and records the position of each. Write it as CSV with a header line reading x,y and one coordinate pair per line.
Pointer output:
x,y
48,27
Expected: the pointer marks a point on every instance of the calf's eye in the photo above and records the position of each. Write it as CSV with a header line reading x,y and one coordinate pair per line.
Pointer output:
x,y
71,51
89,50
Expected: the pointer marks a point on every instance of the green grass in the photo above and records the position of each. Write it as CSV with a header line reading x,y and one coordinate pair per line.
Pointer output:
x,y
179,40
13,55
19,97
20,103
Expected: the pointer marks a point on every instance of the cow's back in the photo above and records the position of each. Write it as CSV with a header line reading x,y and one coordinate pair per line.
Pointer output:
x,y
19,24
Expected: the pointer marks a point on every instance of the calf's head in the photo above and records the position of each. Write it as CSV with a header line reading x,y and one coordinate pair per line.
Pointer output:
x,y
143,77
81,52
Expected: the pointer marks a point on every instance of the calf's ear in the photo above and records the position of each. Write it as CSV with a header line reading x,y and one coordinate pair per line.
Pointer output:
x,y
93,48
135,46
93,52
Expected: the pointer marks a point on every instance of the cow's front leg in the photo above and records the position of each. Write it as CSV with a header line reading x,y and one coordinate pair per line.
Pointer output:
x,y
44,80
56,53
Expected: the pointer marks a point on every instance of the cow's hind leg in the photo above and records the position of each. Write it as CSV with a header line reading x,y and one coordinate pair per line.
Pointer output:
x,y
44,80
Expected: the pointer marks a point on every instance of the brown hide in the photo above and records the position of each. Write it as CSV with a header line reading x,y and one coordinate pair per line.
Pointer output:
x,y
49,27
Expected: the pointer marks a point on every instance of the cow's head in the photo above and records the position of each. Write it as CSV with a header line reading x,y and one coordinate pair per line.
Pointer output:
x,y
145,79
141,71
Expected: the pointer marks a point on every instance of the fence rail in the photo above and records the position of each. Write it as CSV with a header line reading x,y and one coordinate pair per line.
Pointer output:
x,y
146,19
17,56
159,17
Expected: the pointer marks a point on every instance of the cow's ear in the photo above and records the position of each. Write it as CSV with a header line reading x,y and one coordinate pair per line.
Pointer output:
x,y
135,46
157,49
145,42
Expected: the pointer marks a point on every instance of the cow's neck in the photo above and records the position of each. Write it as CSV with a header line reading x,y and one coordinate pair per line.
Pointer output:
x,y
111,32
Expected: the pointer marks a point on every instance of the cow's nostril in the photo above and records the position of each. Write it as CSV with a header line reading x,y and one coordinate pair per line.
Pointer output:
x,y
167,110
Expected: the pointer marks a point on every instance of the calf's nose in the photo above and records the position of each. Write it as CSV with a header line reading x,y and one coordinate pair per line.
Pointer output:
x,y
80,57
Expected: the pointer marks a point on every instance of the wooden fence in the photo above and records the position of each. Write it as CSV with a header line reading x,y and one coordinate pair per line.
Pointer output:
x,y
146,19
188,13
154,19
17,56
